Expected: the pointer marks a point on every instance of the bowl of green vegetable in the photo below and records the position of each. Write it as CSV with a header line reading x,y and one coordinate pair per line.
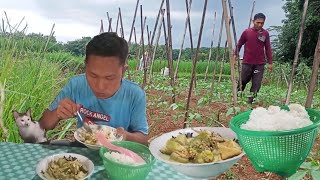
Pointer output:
x,y
65,166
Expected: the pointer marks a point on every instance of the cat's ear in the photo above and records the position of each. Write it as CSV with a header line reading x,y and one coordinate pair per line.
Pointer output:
x,y
29,112
15,115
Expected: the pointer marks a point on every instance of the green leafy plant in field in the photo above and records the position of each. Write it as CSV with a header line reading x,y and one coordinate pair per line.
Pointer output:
x,y
310,168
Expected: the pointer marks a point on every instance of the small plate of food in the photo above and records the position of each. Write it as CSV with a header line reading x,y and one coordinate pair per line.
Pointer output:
x,y
89,138
65,166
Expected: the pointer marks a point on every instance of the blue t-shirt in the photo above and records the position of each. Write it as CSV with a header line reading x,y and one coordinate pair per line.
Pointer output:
x,y
126,108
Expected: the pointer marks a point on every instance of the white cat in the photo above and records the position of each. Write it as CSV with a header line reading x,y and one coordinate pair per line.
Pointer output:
x,y
30,131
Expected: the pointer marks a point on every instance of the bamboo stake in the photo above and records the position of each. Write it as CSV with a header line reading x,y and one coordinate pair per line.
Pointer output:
x,y
110,22
211,45
296,54
183,38
169,54
139,52
101,27
148,35
121,24
191,41
217,55
156,23
222,62
314,74
135,41
250,20
165,37
117,24
149,48
232,60
130,36
195,63
285,77
156,46
235,41
142,47
133,22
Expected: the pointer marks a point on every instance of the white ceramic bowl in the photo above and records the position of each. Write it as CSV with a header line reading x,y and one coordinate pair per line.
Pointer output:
x,y
96,127
206,170
43,164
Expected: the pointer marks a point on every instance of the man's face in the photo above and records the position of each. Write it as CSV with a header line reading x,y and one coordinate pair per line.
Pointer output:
x,y
104,75
258,23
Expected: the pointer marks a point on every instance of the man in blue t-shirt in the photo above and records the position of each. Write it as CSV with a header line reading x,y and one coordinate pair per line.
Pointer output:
x,y
101,95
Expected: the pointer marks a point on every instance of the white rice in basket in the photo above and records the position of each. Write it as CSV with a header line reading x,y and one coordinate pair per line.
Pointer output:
x,y
275,119
121,158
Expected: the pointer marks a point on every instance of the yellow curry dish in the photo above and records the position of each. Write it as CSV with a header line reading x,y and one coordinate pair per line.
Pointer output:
x,y
206,147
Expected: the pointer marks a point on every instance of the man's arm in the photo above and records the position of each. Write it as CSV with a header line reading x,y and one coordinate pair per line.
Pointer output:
x,y
49,120
268,51
65,109
135,136
138,128
241,42
268,48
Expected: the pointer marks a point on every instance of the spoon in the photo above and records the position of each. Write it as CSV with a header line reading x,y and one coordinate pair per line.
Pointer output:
x,y
85,125
103,141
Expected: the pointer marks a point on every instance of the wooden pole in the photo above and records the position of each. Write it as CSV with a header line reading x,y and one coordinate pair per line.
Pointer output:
x,y
217,56
314,74
117,24
130,36
235,41
156,23
191,41
211,45
137,48
232,60
101,27
142,47
121,24
165,36
169,55
222,61
250,20
149,48
110,22
139,52
183,38
133,21
156,46
195,63
296,54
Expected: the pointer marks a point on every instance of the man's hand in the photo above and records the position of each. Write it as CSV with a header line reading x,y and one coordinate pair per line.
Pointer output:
x,y
270,67
66,109
235,57
121,131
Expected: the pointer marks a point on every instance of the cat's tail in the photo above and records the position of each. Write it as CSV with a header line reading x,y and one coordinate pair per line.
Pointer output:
x,y
4,129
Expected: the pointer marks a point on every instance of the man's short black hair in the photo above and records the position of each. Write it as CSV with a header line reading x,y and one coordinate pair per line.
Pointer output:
x,y
107,44
259,16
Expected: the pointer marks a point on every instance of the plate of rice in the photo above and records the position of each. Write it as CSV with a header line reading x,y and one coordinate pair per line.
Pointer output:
x,y
89,139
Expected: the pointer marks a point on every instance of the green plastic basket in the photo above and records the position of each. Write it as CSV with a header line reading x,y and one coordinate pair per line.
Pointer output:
x,y
281,152
118,171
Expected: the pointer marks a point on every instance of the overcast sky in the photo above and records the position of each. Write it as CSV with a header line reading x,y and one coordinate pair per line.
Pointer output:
x,y
78,18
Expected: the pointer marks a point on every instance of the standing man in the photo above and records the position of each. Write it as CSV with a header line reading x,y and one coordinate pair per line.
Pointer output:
x,y
256,41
